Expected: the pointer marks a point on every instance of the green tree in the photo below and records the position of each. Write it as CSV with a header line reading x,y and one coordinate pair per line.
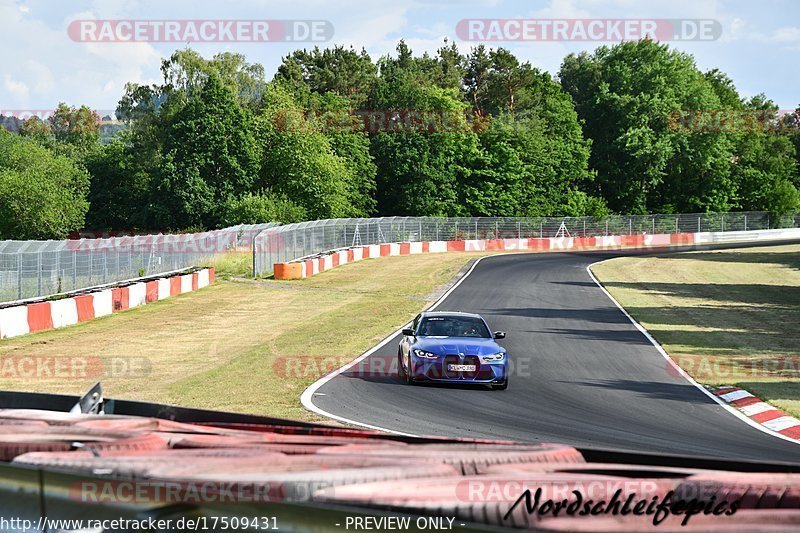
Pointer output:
x,y
255,208
339,70
420,172
42,194
763,163
624,95
210,156
297,160
120,192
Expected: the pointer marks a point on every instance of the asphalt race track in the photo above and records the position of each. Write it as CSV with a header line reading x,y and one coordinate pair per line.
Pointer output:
x,y
584,374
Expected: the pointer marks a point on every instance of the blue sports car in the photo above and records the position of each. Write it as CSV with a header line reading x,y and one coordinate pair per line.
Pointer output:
x,y
452,347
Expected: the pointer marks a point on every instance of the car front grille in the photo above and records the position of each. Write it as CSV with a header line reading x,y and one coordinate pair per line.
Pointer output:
x,y
454,359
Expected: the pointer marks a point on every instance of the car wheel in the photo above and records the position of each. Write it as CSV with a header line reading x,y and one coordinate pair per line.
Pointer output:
x,y
501,386
401,370
407,372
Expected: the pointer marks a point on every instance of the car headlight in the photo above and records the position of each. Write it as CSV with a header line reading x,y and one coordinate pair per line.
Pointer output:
x,y
425,355
499,356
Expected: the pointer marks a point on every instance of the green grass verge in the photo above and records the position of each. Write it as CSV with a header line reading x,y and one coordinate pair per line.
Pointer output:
x,y
242,345
232,264
728,317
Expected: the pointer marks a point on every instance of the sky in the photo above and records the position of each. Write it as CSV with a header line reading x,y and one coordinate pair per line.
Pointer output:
x,y
42,65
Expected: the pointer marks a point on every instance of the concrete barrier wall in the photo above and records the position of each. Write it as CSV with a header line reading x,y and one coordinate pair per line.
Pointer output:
x,y
41,316
303,268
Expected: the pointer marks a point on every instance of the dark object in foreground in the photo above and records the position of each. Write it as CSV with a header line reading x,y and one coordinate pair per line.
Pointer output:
x,y
149,461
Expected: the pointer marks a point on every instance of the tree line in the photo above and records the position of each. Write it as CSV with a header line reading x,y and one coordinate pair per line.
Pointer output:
x,y
335,133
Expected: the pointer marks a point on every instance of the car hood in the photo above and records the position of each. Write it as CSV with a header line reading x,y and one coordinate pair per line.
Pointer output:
x,y
457,345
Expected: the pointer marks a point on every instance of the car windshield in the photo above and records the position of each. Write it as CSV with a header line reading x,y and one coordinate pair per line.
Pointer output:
x,y
453,326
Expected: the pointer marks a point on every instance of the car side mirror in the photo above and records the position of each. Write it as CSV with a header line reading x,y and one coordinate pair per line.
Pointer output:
x,y
499,334
408,332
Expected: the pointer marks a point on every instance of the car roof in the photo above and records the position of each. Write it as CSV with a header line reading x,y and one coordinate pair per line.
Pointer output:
x,y
451,313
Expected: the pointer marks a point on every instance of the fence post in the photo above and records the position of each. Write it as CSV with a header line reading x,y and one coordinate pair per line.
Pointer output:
x,y
654,225
519,230
676,225
745,222
496,230
698,224
723,223
606,227
630,225
255,255
476,230
39,266
584,227
19,276
437,229
59,277
74,270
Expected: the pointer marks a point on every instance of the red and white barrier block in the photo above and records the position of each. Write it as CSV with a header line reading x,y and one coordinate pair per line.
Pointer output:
x,y
761,412
50,314
304,268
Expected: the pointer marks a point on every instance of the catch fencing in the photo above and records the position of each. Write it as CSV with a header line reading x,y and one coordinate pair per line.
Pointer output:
x,y
32,269
306,239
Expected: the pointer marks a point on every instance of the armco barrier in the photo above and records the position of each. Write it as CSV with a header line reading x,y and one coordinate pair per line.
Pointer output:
x,y
303,268
50,314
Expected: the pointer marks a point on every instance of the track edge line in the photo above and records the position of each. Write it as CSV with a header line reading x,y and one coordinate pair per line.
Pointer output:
x,y
308,395
738,414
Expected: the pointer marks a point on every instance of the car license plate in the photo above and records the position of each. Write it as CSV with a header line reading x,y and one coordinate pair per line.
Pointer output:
x,y
461,368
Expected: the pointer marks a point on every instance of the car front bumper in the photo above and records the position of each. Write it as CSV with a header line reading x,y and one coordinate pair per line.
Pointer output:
x,y
437,370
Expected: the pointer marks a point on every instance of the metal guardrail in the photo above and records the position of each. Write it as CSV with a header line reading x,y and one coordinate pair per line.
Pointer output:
x,y
32,269
294,241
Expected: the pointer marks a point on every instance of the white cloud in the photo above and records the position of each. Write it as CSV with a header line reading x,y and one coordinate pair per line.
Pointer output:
x,y
787,35
41,76
54,68
16,88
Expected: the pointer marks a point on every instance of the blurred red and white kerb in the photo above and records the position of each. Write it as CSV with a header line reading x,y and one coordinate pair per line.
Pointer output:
x,y
199,31
581,30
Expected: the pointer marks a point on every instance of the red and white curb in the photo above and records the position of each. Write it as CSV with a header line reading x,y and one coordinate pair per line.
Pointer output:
x,y
27,318
760,411
304,268
307,267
